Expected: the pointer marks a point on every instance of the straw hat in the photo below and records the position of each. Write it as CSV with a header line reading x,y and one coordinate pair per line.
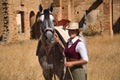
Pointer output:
x,y
72,26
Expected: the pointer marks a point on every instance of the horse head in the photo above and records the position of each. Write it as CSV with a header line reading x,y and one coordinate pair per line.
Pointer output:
x,y
47,23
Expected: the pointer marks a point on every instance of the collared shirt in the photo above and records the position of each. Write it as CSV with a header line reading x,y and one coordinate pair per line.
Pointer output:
x,y
80,48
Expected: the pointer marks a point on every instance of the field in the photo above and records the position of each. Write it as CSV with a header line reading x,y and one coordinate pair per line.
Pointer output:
x,y
104,55
18,61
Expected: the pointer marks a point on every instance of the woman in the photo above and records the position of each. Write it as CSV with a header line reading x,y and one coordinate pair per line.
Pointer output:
x,y
75,52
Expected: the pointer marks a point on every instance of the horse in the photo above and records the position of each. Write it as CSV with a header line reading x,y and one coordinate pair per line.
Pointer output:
x,y
50,54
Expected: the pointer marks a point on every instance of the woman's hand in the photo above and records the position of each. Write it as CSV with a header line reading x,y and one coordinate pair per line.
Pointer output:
x,y
77,62
56,37
68,64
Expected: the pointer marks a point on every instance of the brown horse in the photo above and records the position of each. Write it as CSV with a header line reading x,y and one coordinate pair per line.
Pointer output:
x,y
49,53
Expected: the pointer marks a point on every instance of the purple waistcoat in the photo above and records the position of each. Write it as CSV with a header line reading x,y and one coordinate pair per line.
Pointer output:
x,y
71,52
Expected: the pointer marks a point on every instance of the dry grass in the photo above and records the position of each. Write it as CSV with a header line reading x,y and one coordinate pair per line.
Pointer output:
x,y
104,58
19,62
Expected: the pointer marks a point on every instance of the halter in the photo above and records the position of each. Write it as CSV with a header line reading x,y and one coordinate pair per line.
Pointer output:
x,y
49,29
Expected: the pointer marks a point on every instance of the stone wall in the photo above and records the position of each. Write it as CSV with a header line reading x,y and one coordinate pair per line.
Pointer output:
x,y
116,16
21,31
75,10
4,20
101,15
18,18
1,20
10,27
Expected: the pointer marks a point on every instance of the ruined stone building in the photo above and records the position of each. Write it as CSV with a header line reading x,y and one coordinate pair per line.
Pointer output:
x,y
18,18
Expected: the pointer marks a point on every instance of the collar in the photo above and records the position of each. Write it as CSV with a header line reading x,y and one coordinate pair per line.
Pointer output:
x,y
74,39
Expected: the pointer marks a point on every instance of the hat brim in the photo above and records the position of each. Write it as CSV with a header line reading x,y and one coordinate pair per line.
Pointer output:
x,y
67,28
72,29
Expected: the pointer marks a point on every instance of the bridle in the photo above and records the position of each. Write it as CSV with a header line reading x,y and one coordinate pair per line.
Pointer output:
x,y
52,31
47,24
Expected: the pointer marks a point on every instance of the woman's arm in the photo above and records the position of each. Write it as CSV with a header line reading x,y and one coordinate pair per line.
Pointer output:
x,y
75,62
82,50
58,42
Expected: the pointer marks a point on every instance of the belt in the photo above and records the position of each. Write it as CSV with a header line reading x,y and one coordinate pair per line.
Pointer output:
x,y
76,66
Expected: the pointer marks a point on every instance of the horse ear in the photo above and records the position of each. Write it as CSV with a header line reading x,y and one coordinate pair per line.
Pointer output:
x,y
40,8
51,7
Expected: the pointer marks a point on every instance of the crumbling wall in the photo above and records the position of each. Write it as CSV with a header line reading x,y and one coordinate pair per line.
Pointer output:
x,y
1,21
4,20
21,9
101,15
116,16
76,10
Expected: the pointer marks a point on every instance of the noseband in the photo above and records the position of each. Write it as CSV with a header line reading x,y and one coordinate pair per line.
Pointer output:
x,y
51,30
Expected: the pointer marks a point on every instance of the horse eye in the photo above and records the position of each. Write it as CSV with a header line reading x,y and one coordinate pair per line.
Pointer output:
x,y
54,21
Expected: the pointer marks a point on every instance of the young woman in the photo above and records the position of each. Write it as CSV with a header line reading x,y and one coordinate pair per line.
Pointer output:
x,y
75,52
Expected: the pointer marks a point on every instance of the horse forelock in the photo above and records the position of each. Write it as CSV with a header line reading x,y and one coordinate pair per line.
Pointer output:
x,y
46,13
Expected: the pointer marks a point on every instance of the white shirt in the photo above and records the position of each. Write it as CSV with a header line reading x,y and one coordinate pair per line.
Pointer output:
x,y
80,48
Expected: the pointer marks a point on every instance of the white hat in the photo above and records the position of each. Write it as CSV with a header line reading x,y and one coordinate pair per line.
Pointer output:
x,y
72,26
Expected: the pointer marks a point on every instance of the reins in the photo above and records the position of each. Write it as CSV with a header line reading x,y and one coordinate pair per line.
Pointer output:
x,y
65,59
54,63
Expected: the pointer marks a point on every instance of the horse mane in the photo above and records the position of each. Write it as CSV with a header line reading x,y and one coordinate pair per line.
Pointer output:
x,y
46,13
61,38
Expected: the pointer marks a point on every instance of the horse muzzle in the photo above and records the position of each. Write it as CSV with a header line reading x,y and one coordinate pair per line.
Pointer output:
x,y
49,33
